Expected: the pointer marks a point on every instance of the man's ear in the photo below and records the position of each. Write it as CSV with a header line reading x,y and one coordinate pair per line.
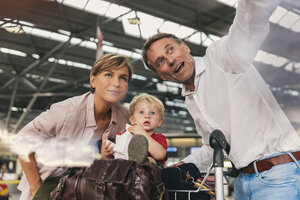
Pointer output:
x,y
186,47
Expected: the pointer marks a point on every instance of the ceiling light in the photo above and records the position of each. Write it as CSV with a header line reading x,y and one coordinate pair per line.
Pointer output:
x,y
134,21
128,28
17,29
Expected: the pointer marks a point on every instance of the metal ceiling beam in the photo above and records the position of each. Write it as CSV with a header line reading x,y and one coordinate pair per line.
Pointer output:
x,y
41,94
34,98
28,83
36,63
12,100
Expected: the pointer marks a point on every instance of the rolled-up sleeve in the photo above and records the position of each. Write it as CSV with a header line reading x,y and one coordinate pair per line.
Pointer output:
x,y
202,158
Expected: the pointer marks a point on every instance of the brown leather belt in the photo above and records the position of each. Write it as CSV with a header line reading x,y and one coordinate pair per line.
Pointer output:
x,y
268,163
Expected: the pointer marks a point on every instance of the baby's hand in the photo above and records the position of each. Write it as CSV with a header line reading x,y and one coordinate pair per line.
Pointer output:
x,y
137,128
107,150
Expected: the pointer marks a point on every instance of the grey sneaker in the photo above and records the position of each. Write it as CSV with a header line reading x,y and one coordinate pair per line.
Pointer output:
x,y
138,149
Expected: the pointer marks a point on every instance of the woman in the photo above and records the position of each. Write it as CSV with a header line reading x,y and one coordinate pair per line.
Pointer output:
x,y
83,119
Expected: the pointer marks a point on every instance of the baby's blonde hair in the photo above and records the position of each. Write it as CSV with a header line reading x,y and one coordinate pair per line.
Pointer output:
x,y
149,99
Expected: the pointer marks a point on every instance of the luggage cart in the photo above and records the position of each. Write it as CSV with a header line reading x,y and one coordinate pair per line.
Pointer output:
x,y
218,142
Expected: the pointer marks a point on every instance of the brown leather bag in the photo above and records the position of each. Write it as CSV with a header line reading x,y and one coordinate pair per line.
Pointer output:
x,y
115,179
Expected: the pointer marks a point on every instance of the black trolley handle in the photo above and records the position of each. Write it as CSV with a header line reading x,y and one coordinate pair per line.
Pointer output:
x,y
218,142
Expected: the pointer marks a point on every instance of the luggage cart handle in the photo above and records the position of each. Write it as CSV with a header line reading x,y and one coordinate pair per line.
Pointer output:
x,y
218,142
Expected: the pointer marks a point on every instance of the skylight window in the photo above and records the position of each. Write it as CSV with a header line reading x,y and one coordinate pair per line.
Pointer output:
x,y
56,80
161,87
14,108
13,52
270,59
139,77
70,63
64,32
109,49
40,33
138,51
195,38
176,104
130,29
155,80
278,14
169,27
75,4
105,43
296,26
286,19
289,20
75,41
232,3
125,52
289,67
136,56
63,36
147,29
26,23
27,29
88,44
213,37
115,11
97,7
58,37
62,62
182,112
279,61
184,31
36,56
207,42
173,84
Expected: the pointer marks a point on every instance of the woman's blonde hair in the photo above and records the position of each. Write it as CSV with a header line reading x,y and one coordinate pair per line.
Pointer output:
x,y
111,61
149,99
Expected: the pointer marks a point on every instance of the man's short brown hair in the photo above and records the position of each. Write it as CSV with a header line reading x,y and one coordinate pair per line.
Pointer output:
x,y
153,39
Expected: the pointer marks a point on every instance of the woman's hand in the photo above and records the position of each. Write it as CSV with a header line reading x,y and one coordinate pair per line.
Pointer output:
x,y
107,150
137,128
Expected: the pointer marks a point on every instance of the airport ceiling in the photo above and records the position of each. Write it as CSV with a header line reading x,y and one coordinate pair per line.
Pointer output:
x,y
48,60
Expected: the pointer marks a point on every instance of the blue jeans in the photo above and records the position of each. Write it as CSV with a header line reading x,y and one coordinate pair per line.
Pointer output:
x,y
281,182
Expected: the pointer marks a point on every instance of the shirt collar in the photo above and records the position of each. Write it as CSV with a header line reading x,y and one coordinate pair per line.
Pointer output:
x,y
114,116
90,117
199,68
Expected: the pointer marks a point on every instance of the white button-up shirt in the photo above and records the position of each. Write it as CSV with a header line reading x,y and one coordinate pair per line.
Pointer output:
x,y
230,94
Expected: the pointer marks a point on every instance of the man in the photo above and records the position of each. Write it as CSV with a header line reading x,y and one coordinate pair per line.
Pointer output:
x,y
224,91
